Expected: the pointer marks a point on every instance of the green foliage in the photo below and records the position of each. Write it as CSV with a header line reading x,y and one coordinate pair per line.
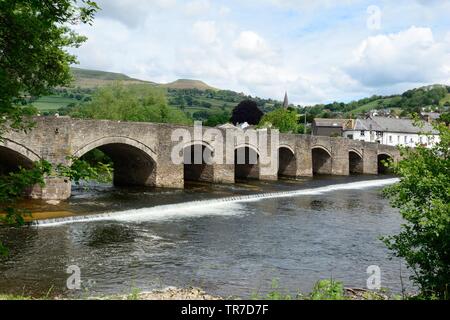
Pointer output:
x,y
274,293
445,118
218,119
34,37
83,170
328,290
14,186
12,189
409,102
134,295
284,120
140,103
423,197
322,290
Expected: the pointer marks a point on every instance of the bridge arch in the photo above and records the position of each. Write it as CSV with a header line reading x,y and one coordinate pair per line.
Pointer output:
x,y
197,160
355,161
381,158
321,160
134,163
287,161
246,162
14,155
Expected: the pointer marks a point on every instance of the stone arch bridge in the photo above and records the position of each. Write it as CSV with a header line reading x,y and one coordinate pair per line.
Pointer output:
x,y
141,153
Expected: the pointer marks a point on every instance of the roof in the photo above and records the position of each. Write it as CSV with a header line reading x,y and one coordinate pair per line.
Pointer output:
x,y
431,115
325,122
385,124
227,126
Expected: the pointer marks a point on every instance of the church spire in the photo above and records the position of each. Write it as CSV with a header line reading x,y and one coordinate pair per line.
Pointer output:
x,y
286,101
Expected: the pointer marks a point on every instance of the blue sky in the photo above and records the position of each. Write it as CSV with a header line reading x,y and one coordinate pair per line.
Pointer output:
x,y
319,51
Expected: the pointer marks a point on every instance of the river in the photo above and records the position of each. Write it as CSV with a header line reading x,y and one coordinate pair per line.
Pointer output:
x,y
226,239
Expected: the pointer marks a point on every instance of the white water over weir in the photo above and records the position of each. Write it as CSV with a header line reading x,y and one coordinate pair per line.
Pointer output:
x,y
221,206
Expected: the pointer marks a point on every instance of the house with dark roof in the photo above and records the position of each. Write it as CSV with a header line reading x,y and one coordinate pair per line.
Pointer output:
x,y
392,131
330,127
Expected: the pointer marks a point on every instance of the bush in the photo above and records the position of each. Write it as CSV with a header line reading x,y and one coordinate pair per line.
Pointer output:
x,y
423,197
328,290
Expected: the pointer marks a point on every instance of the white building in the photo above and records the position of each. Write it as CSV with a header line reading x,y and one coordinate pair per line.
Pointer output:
x,y
392,132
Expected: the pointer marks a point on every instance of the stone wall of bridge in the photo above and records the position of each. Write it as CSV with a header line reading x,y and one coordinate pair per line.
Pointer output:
x,y
141,153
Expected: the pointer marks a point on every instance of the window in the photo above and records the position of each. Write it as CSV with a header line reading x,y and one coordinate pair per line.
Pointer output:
x,y
390,139
363,133
406,139
350,136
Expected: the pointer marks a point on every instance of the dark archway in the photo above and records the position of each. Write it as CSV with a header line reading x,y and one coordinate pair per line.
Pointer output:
x,y
246,163
196,167
132,166
382,160
321,161
355,162
287,163
11,161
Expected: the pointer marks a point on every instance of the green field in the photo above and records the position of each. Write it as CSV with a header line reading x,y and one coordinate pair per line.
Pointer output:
x,y
376,104
53,103
445,100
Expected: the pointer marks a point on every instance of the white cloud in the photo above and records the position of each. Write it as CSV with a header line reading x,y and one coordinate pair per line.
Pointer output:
x,y
409,56
250,45
197,7
205,31
318,51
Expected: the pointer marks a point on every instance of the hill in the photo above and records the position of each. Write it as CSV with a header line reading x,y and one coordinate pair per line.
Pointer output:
x,y
198,99
203,102
85,78
431,98
187,84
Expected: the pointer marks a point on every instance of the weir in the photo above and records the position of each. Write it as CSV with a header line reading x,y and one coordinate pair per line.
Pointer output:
x,y
142,153
200,208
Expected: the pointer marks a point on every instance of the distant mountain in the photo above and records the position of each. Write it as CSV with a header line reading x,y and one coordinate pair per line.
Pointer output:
x,y
188,84
86,78
201,101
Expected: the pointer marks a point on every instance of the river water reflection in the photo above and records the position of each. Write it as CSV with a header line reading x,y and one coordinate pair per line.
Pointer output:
x,y
147,239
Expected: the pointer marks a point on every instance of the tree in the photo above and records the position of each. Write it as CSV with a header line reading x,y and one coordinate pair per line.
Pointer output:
x,y
34,37
140,103
423,197
284,120
445,118
246,111
217,119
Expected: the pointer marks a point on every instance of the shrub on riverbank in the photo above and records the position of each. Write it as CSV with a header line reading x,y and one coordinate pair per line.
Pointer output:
x,y
423,197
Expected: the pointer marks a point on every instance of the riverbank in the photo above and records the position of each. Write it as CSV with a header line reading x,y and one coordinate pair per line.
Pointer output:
x,y
199,294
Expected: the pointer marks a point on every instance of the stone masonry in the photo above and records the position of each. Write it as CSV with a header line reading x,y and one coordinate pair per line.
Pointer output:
x,y
141,153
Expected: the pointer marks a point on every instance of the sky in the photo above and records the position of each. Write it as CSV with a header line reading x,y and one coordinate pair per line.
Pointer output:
x,y
318,51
